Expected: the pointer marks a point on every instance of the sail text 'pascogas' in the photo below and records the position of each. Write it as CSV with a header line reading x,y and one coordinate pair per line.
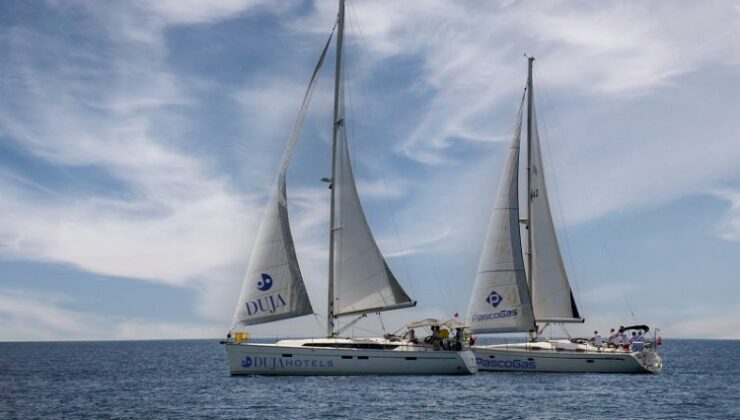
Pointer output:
x,y
504,313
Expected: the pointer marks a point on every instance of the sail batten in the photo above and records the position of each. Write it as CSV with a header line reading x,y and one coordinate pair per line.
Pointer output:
x,y
500,301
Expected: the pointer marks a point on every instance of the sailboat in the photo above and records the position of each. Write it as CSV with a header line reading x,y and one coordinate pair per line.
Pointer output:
x,y
522,286
360,281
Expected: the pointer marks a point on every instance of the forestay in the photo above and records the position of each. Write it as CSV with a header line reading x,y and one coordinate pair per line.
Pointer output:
x,y
500,301
551,293
273,287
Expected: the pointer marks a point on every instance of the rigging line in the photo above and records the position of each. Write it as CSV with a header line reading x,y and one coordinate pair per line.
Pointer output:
x,y
557,196
369,331
565,330
298,124
441,291
348,88
382,324
322,326
615,268
373,136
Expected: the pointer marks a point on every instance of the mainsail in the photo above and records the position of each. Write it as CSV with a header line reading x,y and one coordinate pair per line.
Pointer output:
x,y
552,297
503,299
362,281
273,287
500,301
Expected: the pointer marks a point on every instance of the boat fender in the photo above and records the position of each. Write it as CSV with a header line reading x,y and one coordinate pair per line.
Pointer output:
x,y
659,341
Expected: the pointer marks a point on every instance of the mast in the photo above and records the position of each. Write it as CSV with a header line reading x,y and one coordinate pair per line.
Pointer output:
x,y
529,172
338,122
530,60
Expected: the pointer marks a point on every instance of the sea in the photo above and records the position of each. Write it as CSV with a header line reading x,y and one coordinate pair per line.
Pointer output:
x,y
177,379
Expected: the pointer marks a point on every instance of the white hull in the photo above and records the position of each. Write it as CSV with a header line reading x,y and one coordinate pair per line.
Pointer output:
x,y
293,357
565,357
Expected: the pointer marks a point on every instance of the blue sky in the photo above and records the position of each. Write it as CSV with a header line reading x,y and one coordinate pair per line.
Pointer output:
x,y
138,141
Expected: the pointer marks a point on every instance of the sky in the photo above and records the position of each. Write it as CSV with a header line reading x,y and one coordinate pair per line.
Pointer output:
x,y
139,141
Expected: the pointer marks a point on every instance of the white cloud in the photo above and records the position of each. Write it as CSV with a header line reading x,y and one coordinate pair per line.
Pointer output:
x,y
32,316
611,56
728,227
114,116
194,11
725,325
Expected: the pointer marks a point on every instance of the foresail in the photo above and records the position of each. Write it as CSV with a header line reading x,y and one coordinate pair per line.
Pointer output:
x,y
500,301
552,296
273,287
362,280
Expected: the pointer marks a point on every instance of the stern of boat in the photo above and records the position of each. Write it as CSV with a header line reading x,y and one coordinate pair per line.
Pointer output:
x,y
649,360
468,359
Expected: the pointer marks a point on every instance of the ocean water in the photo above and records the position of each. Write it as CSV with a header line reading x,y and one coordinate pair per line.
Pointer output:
x,y
189,379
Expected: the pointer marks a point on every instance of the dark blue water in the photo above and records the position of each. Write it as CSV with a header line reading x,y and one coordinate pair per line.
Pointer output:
x,y
179,379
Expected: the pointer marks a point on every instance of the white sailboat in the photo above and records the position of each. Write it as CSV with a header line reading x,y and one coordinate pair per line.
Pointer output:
x,y
524,288
360,281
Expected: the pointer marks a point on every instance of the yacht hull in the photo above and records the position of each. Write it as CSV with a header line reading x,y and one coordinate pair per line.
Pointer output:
x,y
274,359
593,360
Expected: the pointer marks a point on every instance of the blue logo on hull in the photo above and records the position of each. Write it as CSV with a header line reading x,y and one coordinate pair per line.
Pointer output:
x,y
276,363
505,364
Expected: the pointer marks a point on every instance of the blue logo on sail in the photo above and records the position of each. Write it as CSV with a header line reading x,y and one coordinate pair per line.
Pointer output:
x,y
247,362
265,284
265,303
494,299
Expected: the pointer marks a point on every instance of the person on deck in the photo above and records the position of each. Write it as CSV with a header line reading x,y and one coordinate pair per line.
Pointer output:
x,y
624,340
436,337
410,335
444,336
614,338
459,337
597,340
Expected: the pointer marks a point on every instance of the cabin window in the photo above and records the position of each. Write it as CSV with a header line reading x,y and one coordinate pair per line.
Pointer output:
x,y
364,346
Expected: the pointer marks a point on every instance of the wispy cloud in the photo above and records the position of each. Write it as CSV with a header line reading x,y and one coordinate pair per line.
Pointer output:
x,y
32,316
729,227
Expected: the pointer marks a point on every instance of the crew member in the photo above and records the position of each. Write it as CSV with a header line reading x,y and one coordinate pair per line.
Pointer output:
x,y
410,335
597,340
